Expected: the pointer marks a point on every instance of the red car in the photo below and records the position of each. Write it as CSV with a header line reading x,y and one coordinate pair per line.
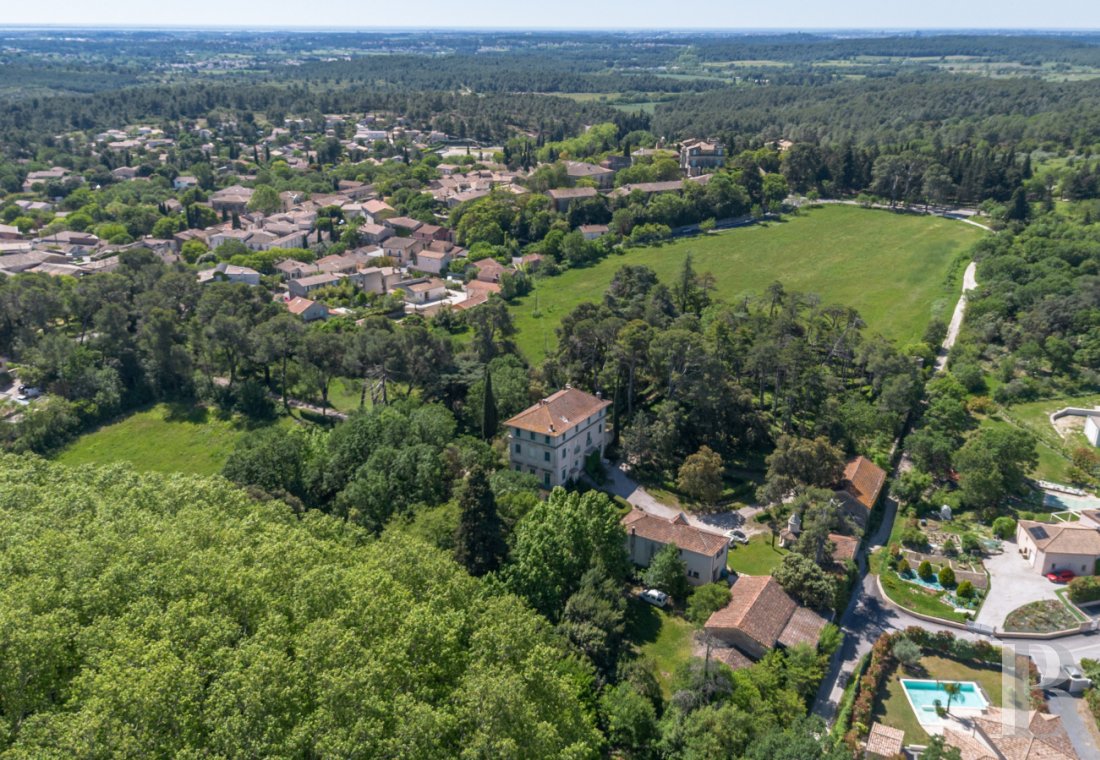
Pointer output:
x,y
1060,576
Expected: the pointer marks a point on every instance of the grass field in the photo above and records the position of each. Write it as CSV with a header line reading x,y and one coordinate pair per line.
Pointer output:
x,y
161,439
757,557
892,707
1054,451
661,637
894,268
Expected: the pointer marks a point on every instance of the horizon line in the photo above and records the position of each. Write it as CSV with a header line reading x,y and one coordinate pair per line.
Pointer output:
x,y
991,30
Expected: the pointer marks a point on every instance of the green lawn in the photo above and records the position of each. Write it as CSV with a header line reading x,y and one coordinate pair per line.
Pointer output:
x,y
892,707
911,596
1054,451
757,557
660,636
893,268
165,438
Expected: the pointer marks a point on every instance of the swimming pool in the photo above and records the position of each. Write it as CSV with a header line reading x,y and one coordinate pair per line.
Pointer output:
x,y
923,695
1069,502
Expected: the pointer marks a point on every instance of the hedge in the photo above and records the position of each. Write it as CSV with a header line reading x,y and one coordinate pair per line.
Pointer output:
x,y
1084,589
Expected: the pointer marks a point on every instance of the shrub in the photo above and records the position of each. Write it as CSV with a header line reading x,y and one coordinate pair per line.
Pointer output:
x,y
903,566
1004,528
914,538
925,570
950,549
1085,589
907,653
970,544
947,577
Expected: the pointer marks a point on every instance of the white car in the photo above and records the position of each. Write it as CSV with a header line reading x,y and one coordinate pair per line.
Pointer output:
x,y
654,597
28,394
737,536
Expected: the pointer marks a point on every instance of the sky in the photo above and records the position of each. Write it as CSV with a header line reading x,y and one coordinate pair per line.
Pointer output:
x,y
566,14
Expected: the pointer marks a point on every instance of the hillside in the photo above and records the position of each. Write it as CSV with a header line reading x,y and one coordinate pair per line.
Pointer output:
x,y
896,270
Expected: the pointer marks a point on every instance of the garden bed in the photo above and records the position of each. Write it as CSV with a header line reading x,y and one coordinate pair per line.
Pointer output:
x,y
1046,616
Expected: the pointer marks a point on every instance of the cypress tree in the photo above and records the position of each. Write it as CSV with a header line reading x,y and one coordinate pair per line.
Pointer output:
x,y
480,545
488,409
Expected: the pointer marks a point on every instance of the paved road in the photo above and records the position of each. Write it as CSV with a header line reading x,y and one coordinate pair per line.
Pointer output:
x,y
621,484
1070,710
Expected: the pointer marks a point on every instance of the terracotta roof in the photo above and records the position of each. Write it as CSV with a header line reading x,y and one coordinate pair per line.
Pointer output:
x,y
863,480
564,193
759,608
845,547
432,284
676,530
581,169
299,305
804,627
731,657
1045,737
969,747
559,412
1063,538
885,741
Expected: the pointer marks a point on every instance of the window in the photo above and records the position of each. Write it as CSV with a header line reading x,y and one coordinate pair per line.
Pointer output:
x,y
519,449
546,456
562,475
548,439
532,435
546,479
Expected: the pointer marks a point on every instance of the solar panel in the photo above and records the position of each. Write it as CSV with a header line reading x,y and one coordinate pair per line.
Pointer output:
x,y
1038,532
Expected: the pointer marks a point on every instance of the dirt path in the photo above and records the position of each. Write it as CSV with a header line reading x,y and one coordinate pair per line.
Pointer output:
x,y
969,283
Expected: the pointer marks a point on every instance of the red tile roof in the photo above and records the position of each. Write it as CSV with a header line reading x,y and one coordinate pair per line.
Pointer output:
x,y
676,530
559,412
863,481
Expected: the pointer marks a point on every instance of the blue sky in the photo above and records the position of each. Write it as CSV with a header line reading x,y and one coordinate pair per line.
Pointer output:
x,y
561,14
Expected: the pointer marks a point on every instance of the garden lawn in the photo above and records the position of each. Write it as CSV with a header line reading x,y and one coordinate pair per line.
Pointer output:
x,y
757,557
164,438
913,597
897,270
659,636
892,707
1054,451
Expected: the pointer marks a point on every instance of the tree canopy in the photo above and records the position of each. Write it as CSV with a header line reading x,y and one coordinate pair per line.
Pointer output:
x,y
153,616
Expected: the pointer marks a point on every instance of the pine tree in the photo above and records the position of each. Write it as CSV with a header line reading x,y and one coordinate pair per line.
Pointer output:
x,y
489,419
480,545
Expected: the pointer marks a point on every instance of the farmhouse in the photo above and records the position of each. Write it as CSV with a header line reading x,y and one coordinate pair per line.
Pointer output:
x,y
860,489
1059,546
552,438
698,156
577,170
564,197
702,551
761,616
308,310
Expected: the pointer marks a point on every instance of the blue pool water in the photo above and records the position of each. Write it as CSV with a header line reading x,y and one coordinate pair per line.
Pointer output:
x,y
923,695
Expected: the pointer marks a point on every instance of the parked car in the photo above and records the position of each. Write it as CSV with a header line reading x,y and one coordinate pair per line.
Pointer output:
x,y
654,597
737,536
26,393
1060,576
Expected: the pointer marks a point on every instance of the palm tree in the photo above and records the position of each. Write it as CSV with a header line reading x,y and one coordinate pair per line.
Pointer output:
x,y
952,690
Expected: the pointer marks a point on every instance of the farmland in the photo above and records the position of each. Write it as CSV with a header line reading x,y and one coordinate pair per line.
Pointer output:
x,y
897,270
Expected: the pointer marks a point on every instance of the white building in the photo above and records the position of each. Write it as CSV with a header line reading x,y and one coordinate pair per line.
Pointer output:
x,y
703,552
1048,547
552,438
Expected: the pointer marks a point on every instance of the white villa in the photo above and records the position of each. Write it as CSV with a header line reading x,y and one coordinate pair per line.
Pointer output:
x,y
552,438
